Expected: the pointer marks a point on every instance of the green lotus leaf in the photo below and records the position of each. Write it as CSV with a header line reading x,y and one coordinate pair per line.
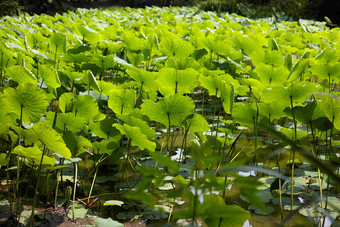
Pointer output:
x,y
291,134
49,75
172,109
174,81
29,98
227,97
88,34
101,222
271,111
51,139
33,154
297,92
103,129
327,56
105,87
76,144
298,70
326,71
142,125
245,114
74,76
136,136
113,203
66,121
4,159
145,80
216,212
122,101
90,80
21,75
215,84
132,41
106,146
172,166
331,106
197,123
306,114
58,42
272,75
175,47
288,61
182,63
84,106
267,57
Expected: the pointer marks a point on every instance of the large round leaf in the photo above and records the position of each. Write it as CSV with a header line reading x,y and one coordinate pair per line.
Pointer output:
x,y
174,108
136,136
174,81
32,100
122,101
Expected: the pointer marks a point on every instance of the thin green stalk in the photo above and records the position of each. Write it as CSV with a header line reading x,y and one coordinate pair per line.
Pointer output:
x,y
94,180
55,56
329,155
1,65
36,190
168,135
293,150
215,103
75,164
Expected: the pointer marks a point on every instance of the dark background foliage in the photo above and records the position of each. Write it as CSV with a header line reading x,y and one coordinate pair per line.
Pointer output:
x,y
294,9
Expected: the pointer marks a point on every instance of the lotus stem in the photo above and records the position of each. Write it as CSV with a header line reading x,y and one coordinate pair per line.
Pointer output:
x,y
36,190
293,151
74,187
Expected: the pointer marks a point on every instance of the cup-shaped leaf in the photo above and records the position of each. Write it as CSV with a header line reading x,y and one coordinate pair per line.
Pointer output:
x,y
21,75
172,109
145,80
297,92
106,146
174,81
142,125
306,114
272,75
66,121
132,41
103,129
197,123
51,139
331,105
271,111
136,136
175,47
268,57
122,101
28,98
88,34
326,71
84,106
245,114
182,63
